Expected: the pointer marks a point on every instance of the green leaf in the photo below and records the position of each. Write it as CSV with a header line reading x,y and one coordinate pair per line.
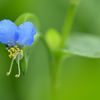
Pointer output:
x,y
83,45
28,17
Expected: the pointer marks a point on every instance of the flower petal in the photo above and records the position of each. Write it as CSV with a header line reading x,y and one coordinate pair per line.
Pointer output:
x,y
8,33
26,33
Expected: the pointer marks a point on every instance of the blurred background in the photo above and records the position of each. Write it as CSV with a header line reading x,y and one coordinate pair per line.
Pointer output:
x,y
79,77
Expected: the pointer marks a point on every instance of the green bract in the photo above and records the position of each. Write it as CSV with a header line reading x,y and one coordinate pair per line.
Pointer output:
x,y
53,39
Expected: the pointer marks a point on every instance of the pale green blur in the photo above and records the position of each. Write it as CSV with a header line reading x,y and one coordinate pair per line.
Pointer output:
x,y
79,77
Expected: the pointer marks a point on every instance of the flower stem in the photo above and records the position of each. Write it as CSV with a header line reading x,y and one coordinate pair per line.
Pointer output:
x,y
69,20
55,73
58,58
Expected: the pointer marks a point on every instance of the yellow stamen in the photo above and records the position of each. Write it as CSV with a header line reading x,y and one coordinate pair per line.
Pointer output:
x,y
15,52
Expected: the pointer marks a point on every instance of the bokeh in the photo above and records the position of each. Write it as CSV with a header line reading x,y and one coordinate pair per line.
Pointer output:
x,y
79,77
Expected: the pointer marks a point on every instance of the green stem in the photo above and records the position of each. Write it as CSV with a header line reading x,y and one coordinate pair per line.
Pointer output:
x,y
69,20
66,30
54,77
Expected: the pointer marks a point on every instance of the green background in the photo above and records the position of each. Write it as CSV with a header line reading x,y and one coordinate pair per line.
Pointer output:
x,y
79,77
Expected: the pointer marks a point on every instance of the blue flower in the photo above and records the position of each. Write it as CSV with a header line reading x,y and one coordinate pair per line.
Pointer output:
x,y
11,35
16,37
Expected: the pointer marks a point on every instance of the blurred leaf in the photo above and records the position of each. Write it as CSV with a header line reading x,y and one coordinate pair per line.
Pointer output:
x,y
28,17
83,45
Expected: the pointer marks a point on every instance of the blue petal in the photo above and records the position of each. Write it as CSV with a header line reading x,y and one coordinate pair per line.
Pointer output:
x,y
8,33
26,33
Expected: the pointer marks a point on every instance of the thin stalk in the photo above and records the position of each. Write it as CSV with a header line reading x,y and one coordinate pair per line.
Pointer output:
x,y
58,58
10,69
69,20
55,67
18,63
